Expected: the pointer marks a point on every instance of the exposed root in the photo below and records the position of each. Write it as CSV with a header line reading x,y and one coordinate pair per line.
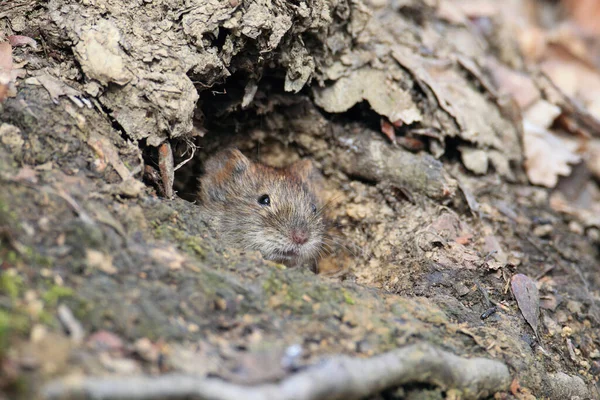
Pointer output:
x,y
339,378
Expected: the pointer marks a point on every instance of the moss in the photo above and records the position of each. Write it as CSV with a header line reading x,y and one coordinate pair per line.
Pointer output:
x,y
7,216
56,293
347,298
272,285
82,236
11,284
11,322
289,291
159,212
188,243
35,258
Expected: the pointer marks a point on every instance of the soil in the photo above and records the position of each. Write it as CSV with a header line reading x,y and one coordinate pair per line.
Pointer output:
x,y
421,253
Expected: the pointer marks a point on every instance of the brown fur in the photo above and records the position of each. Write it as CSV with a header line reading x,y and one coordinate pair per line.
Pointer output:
x,y
230,189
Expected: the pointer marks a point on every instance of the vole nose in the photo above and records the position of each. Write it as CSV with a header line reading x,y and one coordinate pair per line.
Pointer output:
x,y
299,236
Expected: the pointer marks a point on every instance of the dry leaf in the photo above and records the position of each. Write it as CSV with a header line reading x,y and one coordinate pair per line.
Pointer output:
x,y
410,143
515,387
20,40
56,87
388,130
26,174
586,13
546,155
574,77
168,256
519,85
526,292
593,157
493,248
105,340
6,66
101,261
108,153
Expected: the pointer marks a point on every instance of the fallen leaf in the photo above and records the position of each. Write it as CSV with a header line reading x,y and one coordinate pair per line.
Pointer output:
x,y
119,365
108,154
549,302
463,239
526,293
388,130
20,40
517,84
475,160
26,174
6,66
574,77
585,13
147,350
105,340
515,387
101,261
493,248
385,96
56,87
168,256
547,156
593,157
409,143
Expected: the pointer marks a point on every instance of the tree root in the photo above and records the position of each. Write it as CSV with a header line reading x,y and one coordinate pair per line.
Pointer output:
x,y
364,154
338,378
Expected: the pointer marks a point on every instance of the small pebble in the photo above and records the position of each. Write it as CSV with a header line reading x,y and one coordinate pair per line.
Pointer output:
x,y
543,230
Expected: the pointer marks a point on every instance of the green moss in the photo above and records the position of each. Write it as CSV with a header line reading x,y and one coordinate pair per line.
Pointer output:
x,y
7,216
347,298
55,293
187,243
35,258
272,285
11,285
11,323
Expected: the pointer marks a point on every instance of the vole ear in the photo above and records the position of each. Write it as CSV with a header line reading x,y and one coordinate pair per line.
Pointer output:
x,y
303,169
229,162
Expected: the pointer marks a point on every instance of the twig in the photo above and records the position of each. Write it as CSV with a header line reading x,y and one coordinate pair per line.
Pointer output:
x,y
193,147
339,378
165,165
66,317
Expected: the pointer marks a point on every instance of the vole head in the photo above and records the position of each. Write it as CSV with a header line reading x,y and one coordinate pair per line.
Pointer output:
x,y
263,208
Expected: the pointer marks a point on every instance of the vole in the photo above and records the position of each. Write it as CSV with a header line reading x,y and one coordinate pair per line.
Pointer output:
x,y
255,206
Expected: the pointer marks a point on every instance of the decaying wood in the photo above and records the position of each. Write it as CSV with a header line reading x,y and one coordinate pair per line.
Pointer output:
x,y
367,156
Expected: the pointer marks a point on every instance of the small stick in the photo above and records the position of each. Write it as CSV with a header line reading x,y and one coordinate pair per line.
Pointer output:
x,y
167,171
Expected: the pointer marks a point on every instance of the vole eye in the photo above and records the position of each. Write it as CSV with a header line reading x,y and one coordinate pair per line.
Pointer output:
x,y
313,207
264,200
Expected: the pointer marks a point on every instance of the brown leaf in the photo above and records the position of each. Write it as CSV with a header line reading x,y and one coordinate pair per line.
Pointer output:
x,y
464,239
26,174
105,340
20,40
525,291
388,130
585,13
519,85
548,155
56,87
412,144
6,66
515,388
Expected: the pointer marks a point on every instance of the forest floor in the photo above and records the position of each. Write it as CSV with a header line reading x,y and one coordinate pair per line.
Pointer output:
x,y
459,165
